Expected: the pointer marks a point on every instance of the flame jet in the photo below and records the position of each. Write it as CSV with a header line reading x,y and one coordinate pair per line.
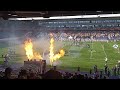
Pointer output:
x,y
53,57
31,54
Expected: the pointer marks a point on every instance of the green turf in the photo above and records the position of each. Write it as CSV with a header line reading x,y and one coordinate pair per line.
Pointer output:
x,y
81,56
98,56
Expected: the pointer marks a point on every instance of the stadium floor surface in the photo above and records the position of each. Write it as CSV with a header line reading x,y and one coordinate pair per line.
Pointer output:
x,y
82,56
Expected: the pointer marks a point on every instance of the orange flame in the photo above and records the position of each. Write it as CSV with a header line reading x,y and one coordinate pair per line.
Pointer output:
x,y
51,50
29,50
60,54
37,56
56,56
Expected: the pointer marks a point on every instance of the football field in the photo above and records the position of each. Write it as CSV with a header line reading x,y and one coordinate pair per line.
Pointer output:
x,y
86,57
83,56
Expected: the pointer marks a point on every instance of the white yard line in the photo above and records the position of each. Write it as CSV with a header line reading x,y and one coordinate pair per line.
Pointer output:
x,y
103,50
91,51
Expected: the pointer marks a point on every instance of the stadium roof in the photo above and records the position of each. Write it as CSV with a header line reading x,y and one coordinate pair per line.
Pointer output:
x,y
46,14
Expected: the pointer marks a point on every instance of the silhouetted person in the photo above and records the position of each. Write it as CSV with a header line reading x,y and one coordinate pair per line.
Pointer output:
x,y
43,66
7,73
90,78
106,67
95,68
22,74
2,56
101,74
88,45
76,76
66,75
118,70
90,71
31,76
54,68
86,76
115,69
78,69
104,77
6,58
52,74
108,73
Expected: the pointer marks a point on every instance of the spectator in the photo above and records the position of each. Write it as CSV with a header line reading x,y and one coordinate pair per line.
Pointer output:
x,y
78,69
108,74
90,71
104,77
22,74
106,67
86,76
2,56
115,71
118,70
51,74
101,74
95,68
75,76
7,73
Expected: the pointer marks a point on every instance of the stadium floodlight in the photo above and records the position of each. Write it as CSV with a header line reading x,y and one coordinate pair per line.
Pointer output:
x,y
109,15
39,18
30,18
98,11
72,17
9,14
20,19
68,17
14,15
58,17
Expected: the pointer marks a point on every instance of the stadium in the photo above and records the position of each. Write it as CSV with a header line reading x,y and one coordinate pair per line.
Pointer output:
x,y
60,44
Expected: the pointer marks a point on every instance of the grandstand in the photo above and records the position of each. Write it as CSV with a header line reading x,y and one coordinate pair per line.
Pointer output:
x,y
91,40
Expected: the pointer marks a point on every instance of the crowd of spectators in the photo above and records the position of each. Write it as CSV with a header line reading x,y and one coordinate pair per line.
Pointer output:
x,y
53,73
84,35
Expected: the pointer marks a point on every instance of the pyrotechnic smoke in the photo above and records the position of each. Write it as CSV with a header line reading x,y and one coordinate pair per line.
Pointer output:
x,y
15,35
42,44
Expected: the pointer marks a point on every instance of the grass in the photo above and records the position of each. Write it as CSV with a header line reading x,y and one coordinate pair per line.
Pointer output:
x,y
97,57
82,56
